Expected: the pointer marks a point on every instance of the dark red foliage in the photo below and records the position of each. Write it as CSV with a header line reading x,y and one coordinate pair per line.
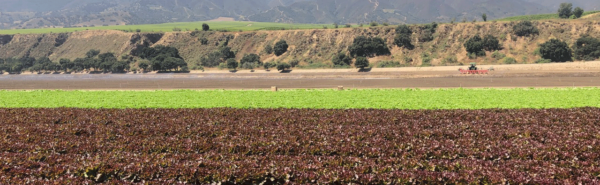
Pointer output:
x,y
279,146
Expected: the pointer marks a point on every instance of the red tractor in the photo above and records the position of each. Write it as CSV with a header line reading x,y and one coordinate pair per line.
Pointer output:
x,y
473,70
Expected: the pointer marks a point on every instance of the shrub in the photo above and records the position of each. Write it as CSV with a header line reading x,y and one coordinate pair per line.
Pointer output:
x,y
176,29
387,64
280,47
373,24
484,17
426,36
269,49
542,61
361,62
450,60
525,29
364,47
222,66
211,60
341,59
205,27
509,60
294,62
407,60
268,65
587,48
427,32
348,26
556,51
497,55
250,60
425,60
431,27
204,41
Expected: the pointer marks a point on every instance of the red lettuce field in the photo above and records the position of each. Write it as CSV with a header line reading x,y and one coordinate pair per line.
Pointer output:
x,y
299,146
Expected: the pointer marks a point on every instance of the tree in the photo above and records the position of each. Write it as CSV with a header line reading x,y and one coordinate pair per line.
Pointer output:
x,y
250,60
144,65
283,66
361,62
491,43
92,53
205,27
578,12
484,17
374,24
556,50
335,25
119,66
78,65
587,48
341,59
65,64
280,47
232,64
226,53
475,46
565,10
269,49
403,37
525,28
365,47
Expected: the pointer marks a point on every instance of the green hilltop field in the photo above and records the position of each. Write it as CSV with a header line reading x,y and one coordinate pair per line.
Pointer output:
x,y
540,17
184,26
228,26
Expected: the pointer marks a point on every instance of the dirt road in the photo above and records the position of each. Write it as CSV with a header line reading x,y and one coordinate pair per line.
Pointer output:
x,y
525,75
299,80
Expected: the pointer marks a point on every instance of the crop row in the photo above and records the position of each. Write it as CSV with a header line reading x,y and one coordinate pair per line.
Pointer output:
x,y
199,146
321,99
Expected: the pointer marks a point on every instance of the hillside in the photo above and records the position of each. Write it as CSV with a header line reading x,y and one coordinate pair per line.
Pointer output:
x,y
20,14
314,48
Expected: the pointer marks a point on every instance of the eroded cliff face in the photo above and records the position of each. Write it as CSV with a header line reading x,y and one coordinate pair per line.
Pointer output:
x,y
308,46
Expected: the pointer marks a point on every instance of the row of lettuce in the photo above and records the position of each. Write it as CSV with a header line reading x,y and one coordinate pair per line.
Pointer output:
x,y
304,146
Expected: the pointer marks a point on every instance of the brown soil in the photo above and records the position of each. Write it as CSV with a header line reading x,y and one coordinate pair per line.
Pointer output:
x,y
381,78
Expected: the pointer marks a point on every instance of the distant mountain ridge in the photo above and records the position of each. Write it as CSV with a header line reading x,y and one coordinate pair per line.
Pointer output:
x,y
71,13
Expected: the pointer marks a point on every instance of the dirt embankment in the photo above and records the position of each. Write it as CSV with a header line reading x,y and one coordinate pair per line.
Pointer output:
x,y
308,46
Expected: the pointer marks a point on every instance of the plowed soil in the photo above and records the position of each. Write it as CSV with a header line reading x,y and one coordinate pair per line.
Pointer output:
x,y
529,75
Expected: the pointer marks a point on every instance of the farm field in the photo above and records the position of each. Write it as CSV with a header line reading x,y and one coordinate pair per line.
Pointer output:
x,y
276,146
540,16
515,98
168,27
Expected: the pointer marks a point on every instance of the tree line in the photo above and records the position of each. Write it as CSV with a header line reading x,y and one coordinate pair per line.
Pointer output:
x,y
159,58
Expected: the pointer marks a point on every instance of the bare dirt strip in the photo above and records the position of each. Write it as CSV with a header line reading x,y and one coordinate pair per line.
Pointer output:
x,y
225,81
578,74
